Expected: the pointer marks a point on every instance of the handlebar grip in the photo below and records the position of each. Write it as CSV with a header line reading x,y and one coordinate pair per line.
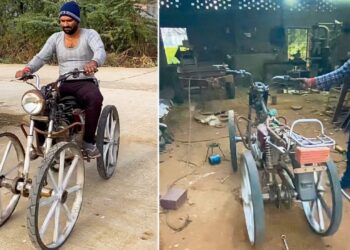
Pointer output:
x,y
26,76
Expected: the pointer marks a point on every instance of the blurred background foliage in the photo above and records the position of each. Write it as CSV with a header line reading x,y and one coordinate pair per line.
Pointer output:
x,y
129,35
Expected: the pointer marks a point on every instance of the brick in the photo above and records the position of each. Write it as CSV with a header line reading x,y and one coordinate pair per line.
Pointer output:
x,y
312,155
174,198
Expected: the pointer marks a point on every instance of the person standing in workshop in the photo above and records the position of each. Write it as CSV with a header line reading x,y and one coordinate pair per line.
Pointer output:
x,y
325,82
80,48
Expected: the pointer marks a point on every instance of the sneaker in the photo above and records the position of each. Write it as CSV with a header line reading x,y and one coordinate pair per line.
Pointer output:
x,y
91,150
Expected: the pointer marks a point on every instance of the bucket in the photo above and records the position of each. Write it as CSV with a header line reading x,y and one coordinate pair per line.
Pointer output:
x,y
214,159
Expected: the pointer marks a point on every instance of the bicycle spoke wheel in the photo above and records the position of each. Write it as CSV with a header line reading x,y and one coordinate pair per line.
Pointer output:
x,y
253,205
11,164
324,213
107,141
56,197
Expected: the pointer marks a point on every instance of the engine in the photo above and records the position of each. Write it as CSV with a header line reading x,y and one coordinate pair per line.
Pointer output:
x,y
65,110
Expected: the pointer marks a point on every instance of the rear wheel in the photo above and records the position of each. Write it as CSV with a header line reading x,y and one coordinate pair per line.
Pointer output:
x,y
232,138
11,166
56,197
107,141
253,205
325,212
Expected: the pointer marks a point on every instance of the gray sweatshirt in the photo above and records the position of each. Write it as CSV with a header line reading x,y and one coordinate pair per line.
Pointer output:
x,y
90,47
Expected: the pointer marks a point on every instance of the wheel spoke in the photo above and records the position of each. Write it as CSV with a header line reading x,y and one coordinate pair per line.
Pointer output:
x,y
61,169
318,178
313,204
13,201
47,219
114,153
53,182
111,157
67,212
106,147
247,204
12,169
56,231
48,201
320,215
325,206
70,171
105,151
107,132
74,189
110,120
113,129
6,153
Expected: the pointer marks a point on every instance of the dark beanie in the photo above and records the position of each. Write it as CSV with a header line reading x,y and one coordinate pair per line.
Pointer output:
x,y
71,9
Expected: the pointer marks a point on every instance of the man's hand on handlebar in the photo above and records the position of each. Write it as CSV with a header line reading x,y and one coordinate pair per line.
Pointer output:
x,y
90,68
303,83
308,83
20,74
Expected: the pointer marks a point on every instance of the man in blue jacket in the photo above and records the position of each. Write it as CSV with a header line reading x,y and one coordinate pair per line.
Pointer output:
x,y
325,82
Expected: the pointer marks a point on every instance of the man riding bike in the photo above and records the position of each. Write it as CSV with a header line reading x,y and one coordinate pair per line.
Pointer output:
x,y
80,48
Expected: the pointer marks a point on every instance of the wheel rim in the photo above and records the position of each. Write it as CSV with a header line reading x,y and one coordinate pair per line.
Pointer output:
x,y
58,212
320,212
111,143
247,203
11,161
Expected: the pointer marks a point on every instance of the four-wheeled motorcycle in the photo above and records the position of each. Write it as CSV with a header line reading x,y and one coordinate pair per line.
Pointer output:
x,y
56,191
282,164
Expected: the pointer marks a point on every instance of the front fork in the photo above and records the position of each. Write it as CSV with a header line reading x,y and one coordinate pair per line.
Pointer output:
x,y
23,184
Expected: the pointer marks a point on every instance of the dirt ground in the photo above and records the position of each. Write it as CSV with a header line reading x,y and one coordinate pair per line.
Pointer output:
x,y
213,208
120,213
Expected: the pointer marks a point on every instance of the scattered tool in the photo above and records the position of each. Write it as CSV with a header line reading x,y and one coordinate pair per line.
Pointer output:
x,y
284,239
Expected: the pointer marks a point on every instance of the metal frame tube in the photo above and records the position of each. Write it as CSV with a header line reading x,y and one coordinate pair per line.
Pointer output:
x,y
27,152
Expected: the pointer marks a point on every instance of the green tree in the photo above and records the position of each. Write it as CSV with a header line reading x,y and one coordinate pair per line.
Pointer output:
x,y
25,25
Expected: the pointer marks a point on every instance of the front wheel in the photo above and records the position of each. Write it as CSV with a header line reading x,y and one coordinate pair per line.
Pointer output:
x,y
107,141
324,213
56,197
253,205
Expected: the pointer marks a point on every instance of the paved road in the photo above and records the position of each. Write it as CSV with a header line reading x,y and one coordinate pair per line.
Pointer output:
x,y
120,213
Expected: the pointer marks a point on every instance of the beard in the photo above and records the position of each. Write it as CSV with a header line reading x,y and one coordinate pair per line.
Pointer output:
x,y
70,30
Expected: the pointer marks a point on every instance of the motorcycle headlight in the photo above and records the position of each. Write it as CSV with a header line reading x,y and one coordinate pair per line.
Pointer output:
x,y
33,102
